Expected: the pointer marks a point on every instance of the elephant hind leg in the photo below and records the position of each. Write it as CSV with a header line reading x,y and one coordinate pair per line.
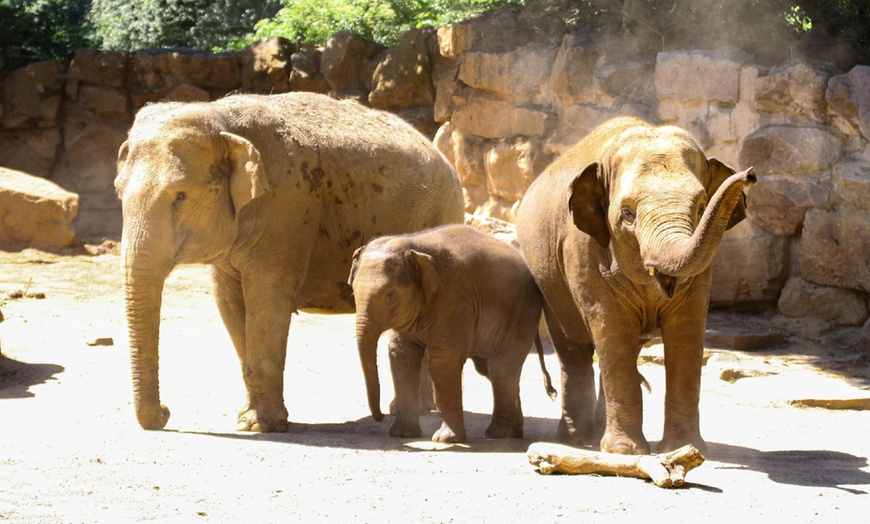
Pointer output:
x,y
507,411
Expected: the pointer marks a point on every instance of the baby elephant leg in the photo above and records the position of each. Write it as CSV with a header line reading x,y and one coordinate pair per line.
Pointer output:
x,y
507,412
446,371
406,357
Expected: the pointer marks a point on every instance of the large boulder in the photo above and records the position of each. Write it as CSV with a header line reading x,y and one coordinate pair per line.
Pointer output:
x,y
489,117
802,299
834,248
403,75
750,266
35,212
848,95
518,75
32,95
795,89
780,149
345,62
266,66
778,202
700,75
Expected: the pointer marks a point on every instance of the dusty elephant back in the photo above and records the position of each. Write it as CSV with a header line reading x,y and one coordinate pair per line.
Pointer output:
x,y
373,174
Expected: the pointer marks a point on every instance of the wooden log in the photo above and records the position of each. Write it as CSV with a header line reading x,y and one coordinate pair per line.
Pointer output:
x,y
666,470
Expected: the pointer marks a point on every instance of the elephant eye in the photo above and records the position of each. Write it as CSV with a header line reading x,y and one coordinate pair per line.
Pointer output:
x,y
627,215
390,298
180,196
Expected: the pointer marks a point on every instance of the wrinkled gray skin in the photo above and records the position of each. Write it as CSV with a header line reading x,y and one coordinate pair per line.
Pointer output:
x,y
275,192
620,234
455,293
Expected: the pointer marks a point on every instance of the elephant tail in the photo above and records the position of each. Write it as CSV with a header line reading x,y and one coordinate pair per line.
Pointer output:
x,y
548,382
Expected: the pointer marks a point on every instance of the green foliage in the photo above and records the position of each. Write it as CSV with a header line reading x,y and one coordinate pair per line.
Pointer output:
x,y
199,24
314,21
38,30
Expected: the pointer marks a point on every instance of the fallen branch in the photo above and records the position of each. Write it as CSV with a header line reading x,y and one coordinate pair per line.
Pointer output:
x,y
666,470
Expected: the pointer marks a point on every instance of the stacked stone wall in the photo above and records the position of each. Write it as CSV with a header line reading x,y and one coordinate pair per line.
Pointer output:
x,y
502,96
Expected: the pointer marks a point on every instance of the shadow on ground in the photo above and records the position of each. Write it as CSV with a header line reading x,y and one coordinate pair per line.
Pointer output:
x,y
16,377
808,468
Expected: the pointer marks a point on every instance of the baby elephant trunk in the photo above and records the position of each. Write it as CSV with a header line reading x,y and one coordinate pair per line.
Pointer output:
x,y
367,344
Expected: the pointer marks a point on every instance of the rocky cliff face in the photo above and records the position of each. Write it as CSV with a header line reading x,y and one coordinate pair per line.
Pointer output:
x,y
502,96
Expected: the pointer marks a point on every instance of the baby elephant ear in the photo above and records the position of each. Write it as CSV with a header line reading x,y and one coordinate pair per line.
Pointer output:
x,y
354,267
719,172
587,205
430,281
247,176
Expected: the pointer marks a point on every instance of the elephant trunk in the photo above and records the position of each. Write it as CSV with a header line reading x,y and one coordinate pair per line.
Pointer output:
x,y
367,344
683,255
143,288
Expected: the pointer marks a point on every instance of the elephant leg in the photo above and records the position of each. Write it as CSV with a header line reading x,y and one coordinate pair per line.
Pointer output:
x,y
617,356
406,359
446,371
269,303
231,305
577,424
684,349
507,412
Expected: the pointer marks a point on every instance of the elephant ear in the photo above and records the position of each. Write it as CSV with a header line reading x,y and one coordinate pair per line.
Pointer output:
x,y
430,281
247,176
587,205
719,172
354,267
122,161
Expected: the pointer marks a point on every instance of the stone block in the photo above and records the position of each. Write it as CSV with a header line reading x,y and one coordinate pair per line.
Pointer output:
x,y
186,93
573,77
35,212
32,95
750,266
576,122
98,68
491,118
519,75
780,149
104,102
795,89
834,248
345,61
403,76
33,151
306,75
851,187
700,75
778,202
510,168
802,299
848,95
630,82
266,66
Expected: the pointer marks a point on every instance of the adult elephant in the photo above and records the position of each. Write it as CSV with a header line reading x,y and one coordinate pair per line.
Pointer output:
x,y
620,234
276,193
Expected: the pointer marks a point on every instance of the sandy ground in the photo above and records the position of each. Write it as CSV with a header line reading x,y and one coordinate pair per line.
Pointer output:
x,y
71,451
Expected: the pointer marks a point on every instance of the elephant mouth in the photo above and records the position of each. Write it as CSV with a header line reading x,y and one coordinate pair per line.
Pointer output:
x,y
667,283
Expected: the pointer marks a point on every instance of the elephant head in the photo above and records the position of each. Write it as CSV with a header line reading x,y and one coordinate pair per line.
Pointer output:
x,y
183,181
392,283
659,203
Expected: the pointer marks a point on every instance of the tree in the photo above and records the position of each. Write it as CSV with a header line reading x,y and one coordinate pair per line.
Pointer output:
x,y
199,24
40,30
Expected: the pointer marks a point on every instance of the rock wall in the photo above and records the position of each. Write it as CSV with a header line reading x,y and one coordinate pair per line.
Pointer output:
x,y
522,90
502,96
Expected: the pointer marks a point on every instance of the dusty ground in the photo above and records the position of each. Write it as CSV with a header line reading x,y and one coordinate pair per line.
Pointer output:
x,y
71,451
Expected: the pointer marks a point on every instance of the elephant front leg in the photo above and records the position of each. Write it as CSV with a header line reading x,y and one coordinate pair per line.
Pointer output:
x,y
621,383
684,349
446,371
406,359
577,424
267,322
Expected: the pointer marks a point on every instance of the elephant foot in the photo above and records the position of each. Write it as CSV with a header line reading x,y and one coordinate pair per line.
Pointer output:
x,y
447,435
259,422
670,443
501,430
623,445
567,433
405,430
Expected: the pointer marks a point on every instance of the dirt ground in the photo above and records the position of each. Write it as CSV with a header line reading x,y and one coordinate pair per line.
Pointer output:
x,y
71,450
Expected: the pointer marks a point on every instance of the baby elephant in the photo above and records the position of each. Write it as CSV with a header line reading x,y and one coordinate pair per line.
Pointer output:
x,y
456,293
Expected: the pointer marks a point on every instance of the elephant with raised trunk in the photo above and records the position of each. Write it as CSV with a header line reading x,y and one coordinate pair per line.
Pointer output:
x,y
620,234
455,293
276,193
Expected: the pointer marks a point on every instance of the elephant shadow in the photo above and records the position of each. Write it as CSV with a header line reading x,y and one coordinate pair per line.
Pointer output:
x,y
366,434
16,377
807,468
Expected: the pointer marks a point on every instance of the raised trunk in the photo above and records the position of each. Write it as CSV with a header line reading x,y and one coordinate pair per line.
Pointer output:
x,y
143,289
367,344
689,255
